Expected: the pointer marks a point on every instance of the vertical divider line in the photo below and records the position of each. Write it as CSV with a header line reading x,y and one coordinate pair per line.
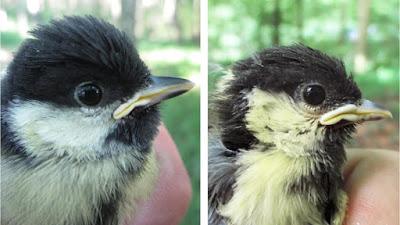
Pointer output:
x,y
204,112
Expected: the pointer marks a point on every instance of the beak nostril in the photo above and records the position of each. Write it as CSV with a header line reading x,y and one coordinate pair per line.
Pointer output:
x,y
348,101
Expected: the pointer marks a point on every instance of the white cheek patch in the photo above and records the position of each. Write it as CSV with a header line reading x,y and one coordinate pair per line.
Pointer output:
x,y
273,110
275,118
46,129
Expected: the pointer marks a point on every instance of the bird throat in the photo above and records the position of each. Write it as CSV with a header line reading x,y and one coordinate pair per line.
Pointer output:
x,y
304,185
295,166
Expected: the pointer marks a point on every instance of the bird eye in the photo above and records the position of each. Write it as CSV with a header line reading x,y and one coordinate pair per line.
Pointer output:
x,y
88,94
314,94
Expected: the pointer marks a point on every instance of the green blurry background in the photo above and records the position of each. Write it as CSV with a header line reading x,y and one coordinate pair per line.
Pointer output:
x,y
167,33
364,33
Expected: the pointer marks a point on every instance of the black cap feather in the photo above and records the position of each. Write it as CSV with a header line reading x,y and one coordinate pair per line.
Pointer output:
x,y
69,51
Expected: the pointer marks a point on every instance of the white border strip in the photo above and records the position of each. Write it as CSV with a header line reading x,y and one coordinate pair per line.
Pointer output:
x,y
204,112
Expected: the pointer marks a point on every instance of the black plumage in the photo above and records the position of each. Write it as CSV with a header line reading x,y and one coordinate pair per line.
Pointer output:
x,y
72,50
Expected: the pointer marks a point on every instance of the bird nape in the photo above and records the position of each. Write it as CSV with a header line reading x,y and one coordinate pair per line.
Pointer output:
x,y
79,114
276,154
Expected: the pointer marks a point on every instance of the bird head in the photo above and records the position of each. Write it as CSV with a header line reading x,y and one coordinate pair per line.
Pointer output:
x,y
293,98
79,88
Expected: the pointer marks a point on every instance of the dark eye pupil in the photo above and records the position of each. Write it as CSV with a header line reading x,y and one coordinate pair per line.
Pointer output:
x,y
314,94
89,94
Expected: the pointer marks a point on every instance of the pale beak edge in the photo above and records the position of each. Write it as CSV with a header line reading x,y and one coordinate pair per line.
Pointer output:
x,y
367,111
161,89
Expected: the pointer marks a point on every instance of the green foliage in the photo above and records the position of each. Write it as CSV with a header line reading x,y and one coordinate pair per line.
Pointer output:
x,y
189,18
238,28
10,39
146,45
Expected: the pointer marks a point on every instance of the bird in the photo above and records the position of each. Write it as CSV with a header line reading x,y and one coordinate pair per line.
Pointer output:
x,y
276,145
79,112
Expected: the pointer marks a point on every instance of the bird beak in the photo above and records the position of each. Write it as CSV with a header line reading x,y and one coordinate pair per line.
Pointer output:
x,y
365,112
162,88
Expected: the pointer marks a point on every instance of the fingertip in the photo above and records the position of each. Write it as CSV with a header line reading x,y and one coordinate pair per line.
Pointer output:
x,y
372,182
173,191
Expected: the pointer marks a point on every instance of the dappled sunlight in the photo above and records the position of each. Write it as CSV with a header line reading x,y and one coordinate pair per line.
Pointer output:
x,y
172,59
385,75
11,25
22,25
171,55
5,58
116,9
4,25
360,63
195,78
33,6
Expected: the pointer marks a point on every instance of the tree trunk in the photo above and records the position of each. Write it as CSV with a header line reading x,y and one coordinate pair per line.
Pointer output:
x,y
195,29
128,19
343,21
360,58
299,19
176,22
263,18
276,21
